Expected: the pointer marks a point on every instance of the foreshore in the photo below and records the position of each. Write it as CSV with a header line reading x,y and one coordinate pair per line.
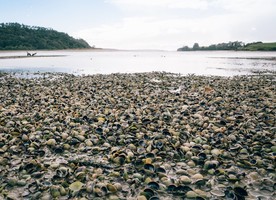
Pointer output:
x,y
42,56
137,136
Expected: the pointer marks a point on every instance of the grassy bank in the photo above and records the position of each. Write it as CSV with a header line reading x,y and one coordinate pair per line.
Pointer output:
x,y
260,47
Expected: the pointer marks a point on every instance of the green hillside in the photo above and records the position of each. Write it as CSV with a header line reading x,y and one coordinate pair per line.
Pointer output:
x,y
14,36
234,46
259,46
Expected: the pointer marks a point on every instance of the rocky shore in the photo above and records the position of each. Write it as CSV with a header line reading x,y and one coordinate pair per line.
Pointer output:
x,y
137,136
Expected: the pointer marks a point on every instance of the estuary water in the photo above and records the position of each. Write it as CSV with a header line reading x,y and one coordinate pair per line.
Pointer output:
x,y
221,63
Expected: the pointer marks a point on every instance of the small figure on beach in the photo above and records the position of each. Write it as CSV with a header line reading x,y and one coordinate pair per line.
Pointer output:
x,y
30,54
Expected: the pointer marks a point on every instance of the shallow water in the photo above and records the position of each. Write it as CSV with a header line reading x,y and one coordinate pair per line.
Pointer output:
x,y
222,63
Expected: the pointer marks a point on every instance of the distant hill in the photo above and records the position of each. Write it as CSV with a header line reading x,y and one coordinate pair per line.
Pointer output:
x,y
259,46
236,46
15,36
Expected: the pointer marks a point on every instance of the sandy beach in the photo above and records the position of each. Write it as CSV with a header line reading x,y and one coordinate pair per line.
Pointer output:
x,y
137,136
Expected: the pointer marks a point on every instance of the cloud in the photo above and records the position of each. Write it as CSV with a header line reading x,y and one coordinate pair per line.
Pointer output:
x,y
233,5
194,4
154,33
205,22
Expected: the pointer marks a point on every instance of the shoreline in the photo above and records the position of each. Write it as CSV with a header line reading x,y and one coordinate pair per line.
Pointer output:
x,y
29,74
37,56
137,135
47,50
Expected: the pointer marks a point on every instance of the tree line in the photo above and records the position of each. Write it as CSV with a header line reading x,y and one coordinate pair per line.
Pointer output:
x,y
221,46
15,36
236,46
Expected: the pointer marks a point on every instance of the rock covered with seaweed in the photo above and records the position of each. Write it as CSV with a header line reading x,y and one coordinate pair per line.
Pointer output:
x,y
137,136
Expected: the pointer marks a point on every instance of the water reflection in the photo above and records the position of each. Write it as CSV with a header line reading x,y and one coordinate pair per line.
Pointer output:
x,y
223,63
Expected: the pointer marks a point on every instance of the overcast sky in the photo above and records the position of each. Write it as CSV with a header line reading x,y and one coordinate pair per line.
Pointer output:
x,y
149,24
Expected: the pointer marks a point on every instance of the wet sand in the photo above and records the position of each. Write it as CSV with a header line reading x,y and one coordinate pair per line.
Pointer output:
x,y
37,56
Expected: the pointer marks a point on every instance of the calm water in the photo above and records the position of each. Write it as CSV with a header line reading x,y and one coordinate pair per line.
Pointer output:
x,y
105,62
